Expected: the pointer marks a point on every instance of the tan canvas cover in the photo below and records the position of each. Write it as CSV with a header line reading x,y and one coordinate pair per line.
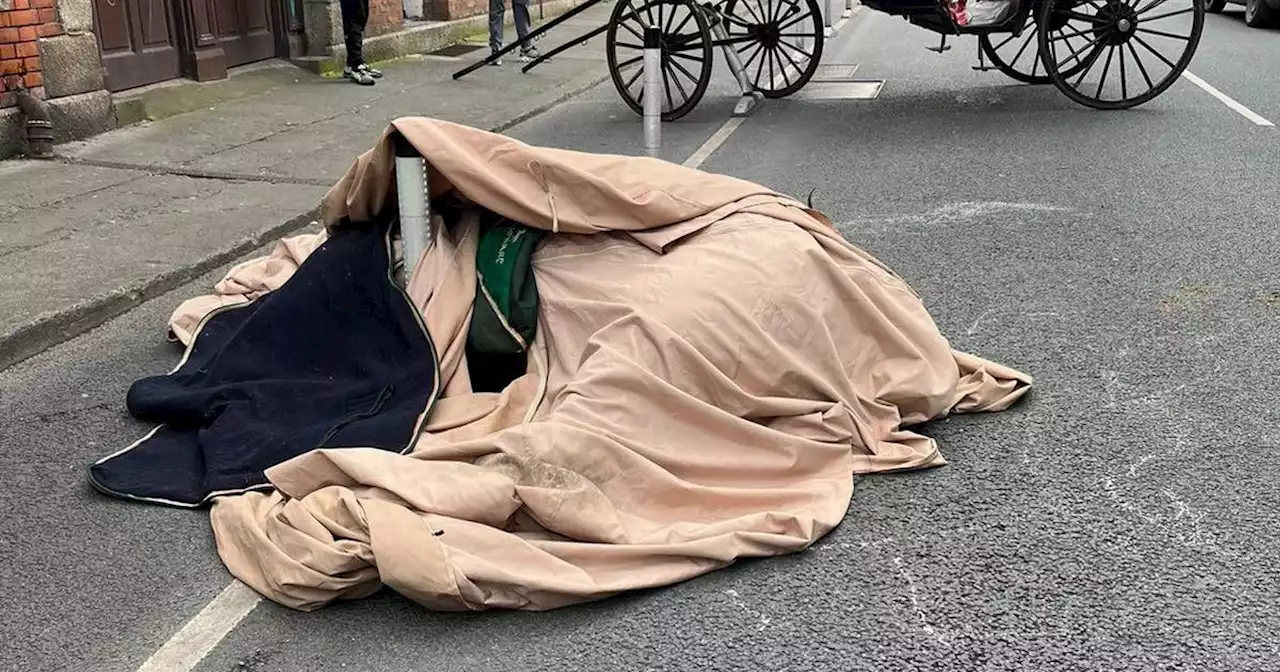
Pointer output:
x,y
713,363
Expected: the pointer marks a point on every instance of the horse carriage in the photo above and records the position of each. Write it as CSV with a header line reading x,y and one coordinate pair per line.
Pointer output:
x,y
774,47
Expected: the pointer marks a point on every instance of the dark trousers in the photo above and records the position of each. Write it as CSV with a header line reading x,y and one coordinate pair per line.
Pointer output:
x,y
497,15
355,14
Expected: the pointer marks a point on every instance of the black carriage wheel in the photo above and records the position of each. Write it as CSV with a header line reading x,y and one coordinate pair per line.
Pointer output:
x,y
686,53
1024,50
778,41
1139,57
1257,14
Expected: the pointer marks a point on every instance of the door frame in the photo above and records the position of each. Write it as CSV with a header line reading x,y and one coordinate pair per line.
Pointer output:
x,y
203,58
135,75
200,56
288,28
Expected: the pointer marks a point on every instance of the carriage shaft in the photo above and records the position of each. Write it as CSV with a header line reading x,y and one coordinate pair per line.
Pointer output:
x,y
531,37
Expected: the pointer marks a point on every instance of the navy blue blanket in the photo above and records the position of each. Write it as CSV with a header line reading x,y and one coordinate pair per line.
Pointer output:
x,y
337,357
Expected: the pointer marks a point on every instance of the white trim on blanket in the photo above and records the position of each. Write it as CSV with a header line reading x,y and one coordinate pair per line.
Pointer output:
x,y
413,437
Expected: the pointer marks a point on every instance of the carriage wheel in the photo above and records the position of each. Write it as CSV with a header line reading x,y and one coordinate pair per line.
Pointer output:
x,y
1023,49
778,41
1140,49
686,53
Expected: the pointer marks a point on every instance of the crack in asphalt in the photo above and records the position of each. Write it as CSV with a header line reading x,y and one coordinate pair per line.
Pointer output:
x,y
194,173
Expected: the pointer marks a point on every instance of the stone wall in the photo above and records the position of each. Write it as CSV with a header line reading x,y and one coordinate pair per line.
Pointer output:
x,y
448,10
387,35
65,70
385,16
22,24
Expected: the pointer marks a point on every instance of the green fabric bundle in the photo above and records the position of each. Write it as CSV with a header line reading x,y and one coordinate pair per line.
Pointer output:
x,y
506,307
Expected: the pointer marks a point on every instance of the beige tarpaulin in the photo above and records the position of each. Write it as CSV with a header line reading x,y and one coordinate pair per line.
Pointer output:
x,y
713,363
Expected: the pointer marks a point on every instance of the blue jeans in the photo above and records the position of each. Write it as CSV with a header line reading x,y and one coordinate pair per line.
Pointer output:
x,y
497,14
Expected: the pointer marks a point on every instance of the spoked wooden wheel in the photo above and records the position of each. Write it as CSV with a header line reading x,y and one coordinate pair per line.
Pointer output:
x,y
1125,52
1018,56
686,53
778,41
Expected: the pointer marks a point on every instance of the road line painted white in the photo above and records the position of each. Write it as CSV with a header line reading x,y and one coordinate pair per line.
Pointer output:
x,y
1226,100
197,638
713,143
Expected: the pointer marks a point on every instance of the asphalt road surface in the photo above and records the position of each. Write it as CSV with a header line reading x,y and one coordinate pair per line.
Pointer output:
x,y
1122,517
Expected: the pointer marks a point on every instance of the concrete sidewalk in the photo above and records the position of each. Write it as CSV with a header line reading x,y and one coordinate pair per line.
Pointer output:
x,y
133,213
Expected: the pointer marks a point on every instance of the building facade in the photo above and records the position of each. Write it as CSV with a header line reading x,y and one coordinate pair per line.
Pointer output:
x,y
75,54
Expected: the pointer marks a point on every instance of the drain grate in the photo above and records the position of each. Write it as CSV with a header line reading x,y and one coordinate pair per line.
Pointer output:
x,y
834,73
460,49
864,90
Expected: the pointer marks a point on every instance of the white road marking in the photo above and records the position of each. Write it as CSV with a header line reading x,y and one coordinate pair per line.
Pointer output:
x,y
1226,100
713,143
197,638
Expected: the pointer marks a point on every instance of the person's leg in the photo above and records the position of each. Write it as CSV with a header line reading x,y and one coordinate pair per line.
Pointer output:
x,y
497,15
354,17
520,12
364,22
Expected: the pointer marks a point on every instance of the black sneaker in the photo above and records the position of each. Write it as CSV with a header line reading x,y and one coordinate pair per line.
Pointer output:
x,y
497,61
358,76
364,67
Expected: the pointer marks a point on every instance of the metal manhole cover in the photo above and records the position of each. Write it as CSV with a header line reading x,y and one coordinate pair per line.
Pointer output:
x,y
834,73
865,90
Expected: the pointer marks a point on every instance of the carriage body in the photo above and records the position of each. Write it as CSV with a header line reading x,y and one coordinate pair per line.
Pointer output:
x,y
933,15
774,47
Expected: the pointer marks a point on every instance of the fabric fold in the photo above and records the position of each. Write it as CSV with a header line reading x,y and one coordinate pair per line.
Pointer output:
x,y
712,364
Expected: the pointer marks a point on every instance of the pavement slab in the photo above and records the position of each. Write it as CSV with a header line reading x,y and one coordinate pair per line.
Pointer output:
x,y
88,257
26,187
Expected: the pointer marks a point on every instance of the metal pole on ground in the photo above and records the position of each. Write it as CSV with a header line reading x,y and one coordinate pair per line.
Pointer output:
x,y
751,98
652,90
415,204
534,34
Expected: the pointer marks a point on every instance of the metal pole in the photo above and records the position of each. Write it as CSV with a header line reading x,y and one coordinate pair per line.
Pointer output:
x,y
652,90
751,98
415,203
731,57
534,34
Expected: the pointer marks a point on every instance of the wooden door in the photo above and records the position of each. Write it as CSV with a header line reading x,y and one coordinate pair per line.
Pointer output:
x,y
137,42
243,30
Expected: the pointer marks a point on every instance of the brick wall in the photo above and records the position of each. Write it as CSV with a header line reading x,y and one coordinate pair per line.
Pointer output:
x,y
385,16
20,26
448,10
